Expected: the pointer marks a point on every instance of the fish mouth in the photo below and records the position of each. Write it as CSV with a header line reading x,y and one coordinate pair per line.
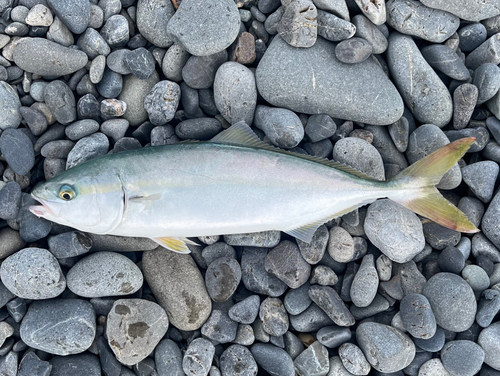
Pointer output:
x,y
40,210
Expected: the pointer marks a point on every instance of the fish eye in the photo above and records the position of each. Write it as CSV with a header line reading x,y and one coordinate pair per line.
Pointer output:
x,y
66,193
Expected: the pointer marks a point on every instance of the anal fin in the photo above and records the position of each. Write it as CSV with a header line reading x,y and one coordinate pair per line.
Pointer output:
x,y
175,244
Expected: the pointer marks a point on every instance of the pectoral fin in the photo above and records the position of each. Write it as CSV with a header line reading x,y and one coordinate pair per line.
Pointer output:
x,y
175,244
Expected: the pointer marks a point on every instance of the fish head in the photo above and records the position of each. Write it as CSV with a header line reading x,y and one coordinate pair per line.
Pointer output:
x,y
85,201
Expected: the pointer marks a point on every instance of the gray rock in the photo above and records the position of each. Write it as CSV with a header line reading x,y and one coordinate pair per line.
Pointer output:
x,y
387,349
384,268
374,10
168,359
452,301
31,364
286,263
482,247
451,260
116,61
174,60
481,178
319,127
9,106
237,360
10,242
88,148
464,102
463,358
199,72
329,301
33,273
338,7
297,300
17,149
324,276
46,58
298,25
134,328
313,360
81,128
488,306
222,278
480,133
365,283
367,30
487,52
111,84
444,59
489,340
235,92
467,10
314,251
152,20
274,317
203,30
32,228
59,33
116,31
333,28
198,357
353,359
313,318
74,14
35,120
8,364
87,108
61,101
353,50
133,94
96,70
76,365
341,245
413,77
378,305
244,335
440,237
487,79
104,274
162,101
110,365
433,344
178,287
283,127
216,250
202,128
361,155
254,275
333,336
246,311
254,239
59,326
326,91
413,18
417,316
114,128
471,36
141,63
93,44
273,359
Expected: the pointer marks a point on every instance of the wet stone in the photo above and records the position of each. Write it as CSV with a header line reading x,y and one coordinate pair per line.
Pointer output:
x,y
286,263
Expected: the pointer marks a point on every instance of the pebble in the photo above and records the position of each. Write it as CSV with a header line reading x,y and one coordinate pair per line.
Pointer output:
x,y
199,72
93,44
451,260
235,93
445,60
298,25
61,101
216,250
467,10
134,328
353,50
488,306
244,50
17,149
76,365
333,336
433,344
286,263
81,128
10,242
74,14
204,31
274,317
365,29
59,326
319,127
168,359
314,251
417,316
31,364
489,340
178,287
39,15
237,360
198,357
152,20
35,120
487,52
297,300
325,89
133,94
283,127
353,359
324,276
365,283
116,33
111,84
32,228
463,358
254,275
162,102
491,221
486,78
33,273
273,359
329,301
140,62
246,311
173,62
313,360
222,278
361,155
50,59
59,33
373,338
482,247
471,36
87,148
481,178
333,28
116,127
464,101
198,129
312,319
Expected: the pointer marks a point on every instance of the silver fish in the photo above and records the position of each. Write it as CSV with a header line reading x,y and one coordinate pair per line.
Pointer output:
x,y
234,183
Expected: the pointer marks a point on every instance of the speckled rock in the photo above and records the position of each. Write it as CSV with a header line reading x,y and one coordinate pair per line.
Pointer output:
x,y
466,10
152,21
283,127
9,106
462,357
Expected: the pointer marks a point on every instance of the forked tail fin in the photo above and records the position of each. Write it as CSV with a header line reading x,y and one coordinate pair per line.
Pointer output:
x,y
415,187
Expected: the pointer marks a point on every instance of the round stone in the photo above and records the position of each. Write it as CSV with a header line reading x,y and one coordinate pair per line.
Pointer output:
x,y
353,50
462,358
489,340
17,149
237,360
417,316
222,278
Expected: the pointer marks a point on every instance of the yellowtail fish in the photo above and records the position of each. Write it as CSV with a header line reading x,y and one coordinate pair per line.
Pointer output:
x,y
235,183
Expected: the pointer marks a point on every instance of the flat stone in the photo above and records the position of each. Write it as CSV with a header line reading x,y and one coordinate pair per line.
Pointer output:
x,y
369,31
74,14
487,52
174,60
152,20
466,10
463,358
353,359
297,300
489,340
353,50
444,59
198,357
312,319
283,127
46,58
329,301
274,317
273,359
140,63
333,28
313,360
59,326
246,311
417,316
17,149
286,263
202,128
323,84
88,148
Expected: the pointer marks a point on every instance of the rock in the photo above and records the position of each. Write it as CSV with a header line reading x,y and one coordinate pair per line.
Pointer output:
x,y
488,307
174,60
32,228
198,357
33,273
9,106
325,90
319,127
116,33
178,287
255,239
329,301
314,251
482,247
324,276
46,58
486,78
333,336
61,101
417,316
451,260
341,245
17,149
74,14
274,317
216,250
134,328
286,263
452,301
374,338
162,102
481,178
152,20
110,85
10,242
283,127
237,360
59,326
198,129
476,277
244,50
413,18
273,359
203,30
31,364
487,52
120,243
466,10
87,148
140,62
313,360
462,357
39,15
333,28
199,72
471,36
235,92
312,319
353,359
222,278
133,94
35,120
367,30
354,50
76,365
406,64
168,359
297,300
464,101
444,59
298,25
489,341
246,311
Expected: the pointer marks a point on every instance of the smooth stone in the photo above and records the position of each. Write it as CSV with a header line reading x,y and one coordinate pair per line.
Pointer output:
x,y
444,59
17,149
255,239
199,129
272,359
237,360
246,311
330,302
10,242
319,127
274,316
31,364
313,361
414,78
489,340
463,358
333,336
133,94
378,305
353,50
69,244
222,278
111,84
152,20
33,273
140,62
116,31
464,102
46,58
35,120
481,178
466,10
59,33
360,155
162,101
480,133
134,328
199,72
173,62
452,301
87,108
488,306
283,127
298,25
487,52
369,31
313,318
286,263
451,260
235,93
333,28
9,106
61,101
198,357
387,349
178,286
433,344
203,30
471,36
325,90
168,359
75,365
353,359
417,316
216,250
487,79
413,18
482,247
74,14
365,283
297,300
81,128
88,148
59,326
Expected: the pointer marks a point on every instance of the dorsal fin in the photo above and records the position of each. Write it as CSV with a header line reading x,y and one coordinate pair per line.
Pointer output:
x,y
241,134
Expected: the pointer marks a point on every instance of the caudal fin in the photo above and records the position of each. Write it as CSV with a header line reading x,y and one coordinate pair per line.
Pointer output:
x,y
418,192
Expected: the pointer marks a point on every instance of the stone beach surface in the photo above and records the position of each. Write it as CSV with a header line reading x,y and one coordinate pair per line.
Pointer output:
x,y
376,85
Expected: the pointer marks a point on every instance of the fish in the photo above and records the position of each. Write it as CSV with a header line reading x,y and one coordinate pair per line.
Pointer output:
x,y
235,183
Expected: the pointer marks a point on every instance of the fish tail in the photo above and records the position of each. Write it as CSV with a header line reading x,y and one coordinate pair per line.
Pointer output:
x,y
414,187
